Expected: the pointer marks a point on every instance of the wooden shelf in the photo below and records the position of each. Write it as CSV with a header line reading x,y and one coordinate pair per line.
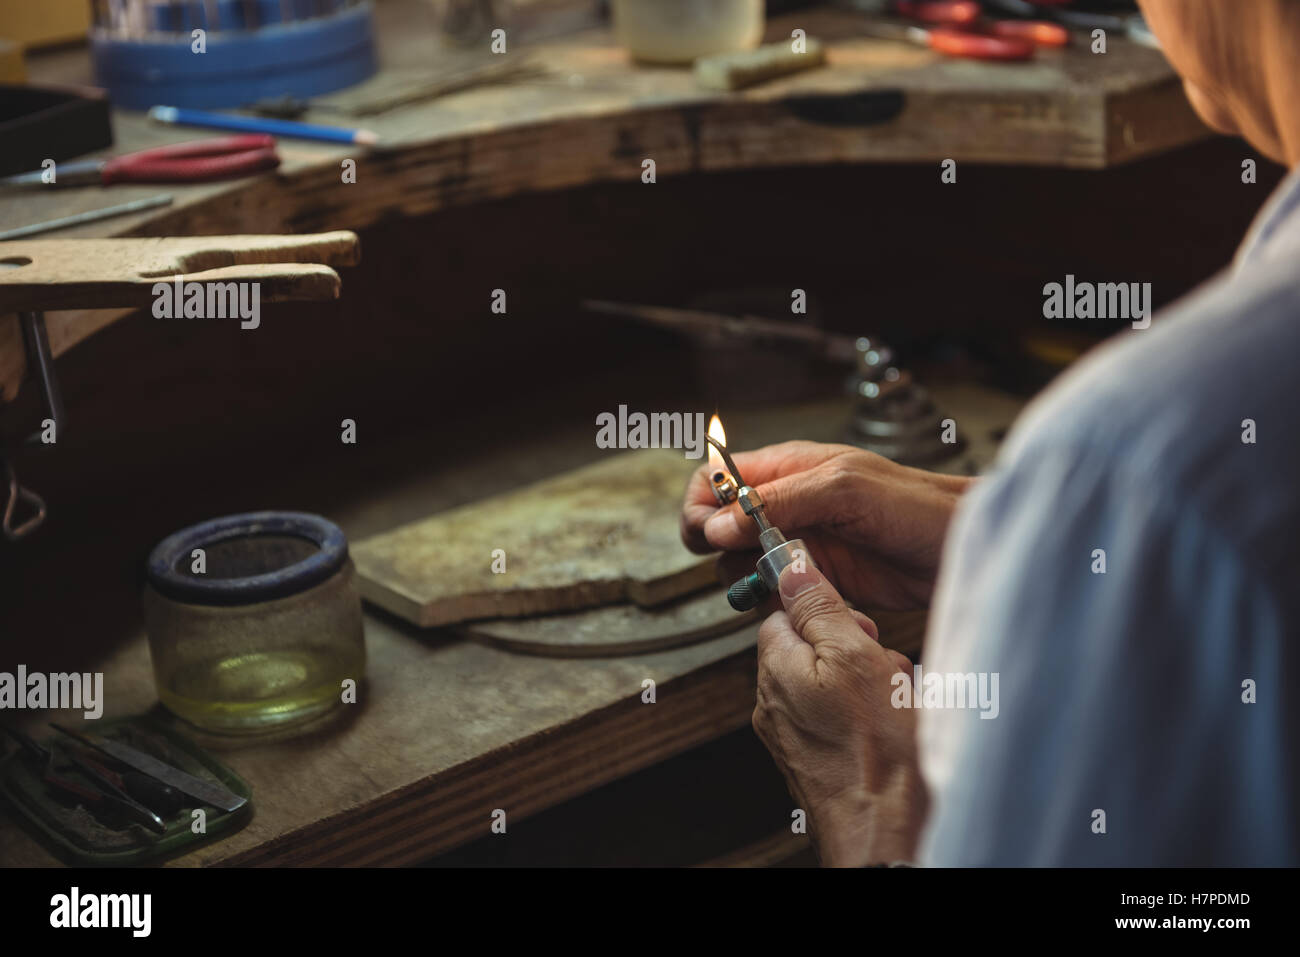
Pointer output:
x,y
597,116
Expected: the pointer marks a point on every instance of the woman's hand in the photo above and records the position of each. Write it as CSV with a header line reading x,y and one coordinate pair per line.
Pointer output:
x,y
874,527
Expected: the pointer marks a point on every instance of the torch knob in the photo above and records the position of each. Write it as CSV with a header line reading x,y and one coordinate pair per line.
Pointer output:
x,y
747,593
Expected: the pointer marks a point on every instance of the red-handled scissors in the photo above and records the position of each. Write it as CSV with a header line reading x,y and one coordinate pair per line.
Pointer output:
x,y
199,161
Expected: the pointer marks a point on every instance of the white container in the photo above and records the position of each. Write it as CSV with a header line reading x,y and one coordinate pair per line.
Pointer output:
x,y
679,31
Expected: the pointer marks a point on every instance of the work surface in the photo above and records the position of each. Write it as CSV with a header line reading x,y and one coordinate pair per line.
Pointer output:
x,y
450,730
596,117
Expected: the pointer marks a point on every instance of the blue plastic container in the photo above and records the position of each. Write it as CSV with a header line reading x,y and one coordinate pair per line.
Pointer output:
x,y
303,58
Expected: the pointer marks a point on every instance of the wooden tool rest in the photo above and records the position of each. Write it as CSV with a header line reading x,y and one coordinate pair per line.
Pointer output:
x,y
41,274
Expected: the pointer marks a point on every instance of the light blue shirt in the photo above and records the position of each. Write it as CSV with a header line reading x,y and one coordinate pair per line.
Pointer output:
x,y
1124,695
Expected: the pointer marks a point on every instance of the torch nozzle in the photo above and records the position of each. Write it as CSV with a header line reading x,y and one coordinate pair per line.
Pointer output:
x,y
726,459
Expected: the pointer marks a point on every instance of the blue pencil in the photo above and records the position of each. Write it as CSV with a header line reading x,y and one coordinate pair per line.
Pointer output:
x,y
181,116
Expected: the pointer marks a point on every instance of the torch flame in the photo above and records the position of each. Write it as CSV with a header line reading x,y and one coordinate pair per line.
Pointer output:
x,y
717,432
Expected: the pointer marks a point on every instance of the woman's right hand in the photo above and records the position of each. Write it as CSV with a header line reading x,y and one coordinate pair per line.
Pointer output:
x,y
874,527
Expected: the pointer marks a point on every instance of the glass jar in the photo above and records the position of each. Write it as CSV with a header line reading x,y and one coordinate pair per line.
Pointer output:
x,y
679,31
254,621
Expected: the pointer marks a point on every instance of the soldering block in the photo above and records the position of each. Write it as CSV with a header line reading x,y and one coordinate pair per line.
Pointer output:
x,y
734,71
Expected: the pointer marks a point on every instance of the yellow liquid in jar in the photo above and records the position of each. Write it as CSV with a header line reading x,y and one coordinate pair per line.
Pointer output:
x,y
262,690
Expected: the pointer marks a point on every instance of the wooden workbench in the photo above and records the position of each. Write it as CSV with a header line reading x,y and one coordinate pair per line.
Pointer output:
x,y
596,117
450,730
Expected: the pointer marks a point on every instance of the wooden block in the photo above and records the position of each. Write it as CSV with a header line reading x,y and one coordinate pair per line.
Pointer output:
x,y
600,535
97,273
734,71
615,629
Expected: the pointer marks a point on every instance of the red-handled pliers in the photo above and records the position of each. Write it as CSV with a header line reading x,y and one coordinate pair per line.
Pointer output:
x,y
955,42
199,161
966,16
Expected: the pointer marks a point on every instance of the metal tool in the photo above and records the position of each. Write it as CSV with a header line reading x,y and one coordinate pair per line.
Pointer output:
x,y
17,497
206,791
44,760
725,488
954,42
724,485
128,804
893,416
91,216
36,345
714,326
198,161
102,795
778,552
157,797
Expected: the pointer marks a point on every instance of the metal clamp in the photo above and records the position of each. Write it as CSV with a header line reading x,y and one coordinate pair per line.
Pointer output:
x,y
16,494
36,345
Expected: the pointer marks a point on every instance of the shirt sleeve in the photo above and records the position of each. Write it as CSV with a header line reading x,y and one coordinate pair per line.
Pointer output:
x,y
1122,638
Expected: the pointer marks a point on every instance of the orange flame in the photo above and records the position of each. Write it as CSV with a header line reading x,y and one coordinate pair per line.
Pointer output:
x,y
716,431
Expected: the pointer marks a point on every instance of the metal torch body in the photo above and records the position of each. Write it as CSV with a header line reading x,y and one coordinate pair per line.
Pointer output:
x,y
778,552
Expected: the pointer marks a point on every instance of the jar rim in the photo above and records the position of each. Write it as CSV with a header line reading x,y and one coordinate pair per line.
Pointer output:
x,y
330,555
